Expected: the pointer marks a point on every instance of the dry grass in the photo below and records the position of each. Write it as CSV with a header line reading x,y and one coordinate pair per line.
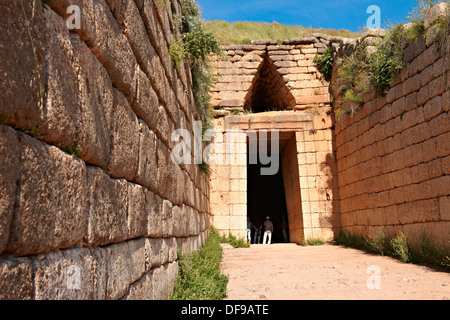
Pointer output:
x,y
244,32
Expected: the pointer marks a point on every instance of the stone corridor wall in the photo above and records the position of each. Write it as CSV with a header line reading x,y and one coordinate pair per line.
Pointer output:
x,y
106,224
393,155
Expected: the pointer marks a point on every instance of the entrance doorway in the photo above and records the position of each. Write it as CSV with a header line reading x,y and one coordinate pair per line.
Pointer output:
x,y
267,194
266,197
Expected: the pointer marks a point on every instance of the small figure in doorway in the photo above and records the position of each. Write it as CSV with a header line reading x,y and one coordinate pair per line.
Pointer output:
x,y
284,228
258,232
250,226
268,230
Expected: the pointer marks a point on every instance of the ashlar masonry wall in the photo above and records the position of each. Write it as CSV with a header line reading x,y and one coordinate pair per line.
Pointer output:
x,y
393,155
106,224
286,75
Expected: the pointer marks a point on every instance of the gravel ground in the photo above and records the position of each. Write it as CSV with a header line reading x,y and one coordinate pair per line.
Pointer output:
x,y
291,272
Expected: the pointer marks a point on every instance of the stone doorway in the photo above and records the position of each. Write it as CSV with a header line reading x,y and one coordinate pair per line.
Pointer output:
x,y
266,197
307,165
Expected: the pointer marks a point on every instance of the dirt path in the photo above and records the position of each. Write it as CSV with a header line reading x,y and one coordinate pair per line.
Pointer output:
x,y
291,272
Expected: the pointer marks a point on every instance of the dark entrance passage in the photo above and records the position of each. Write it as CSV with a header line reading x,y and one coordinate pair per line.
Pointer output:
x,y
266,197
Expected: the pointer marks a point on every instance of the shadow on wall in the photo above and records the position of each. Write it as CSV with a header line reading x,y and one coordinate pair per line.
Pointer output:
x,y
331,217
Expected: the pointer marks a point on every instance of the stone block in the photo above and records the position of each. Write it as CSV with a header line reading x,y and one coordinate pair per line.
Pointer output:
x,y
137,217
9,174
142,289
147,164
23,72
282,57
446,165
418,211
60,121
154,225
146,103
112,48
153,248
434,13
123,158
138,258
17,279
63,275
118,261
95,104
166,178
433,108
106,38
285,64
444,208
107,209
437,87
160,283
49,212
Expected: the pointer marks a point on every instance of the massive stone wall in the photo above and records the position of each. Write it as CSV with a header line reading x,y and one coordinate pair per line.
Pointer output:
x,y
106,224
393,155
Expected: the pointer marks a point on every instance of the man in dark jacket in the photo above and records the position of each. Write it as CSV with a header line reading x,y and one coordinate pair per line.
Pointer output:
x,y
268,230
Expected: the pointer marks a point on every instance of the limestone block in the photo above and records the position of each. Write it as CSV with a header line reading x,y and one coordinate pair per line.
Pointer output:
x,y
95,103
155,225
107,199
433,14
118,269
282,57
306,63
123,159
61,110
142,289
153,249
147,165
272,54
17,279
9,173
444,208
134,29
23,73
63,275
137,211
265,42
49,213
166,177
313,99
113,50
419,211
167,218
146,103
236,86
100,29
305,40
160,283
138,258
433,108
179,222
285,64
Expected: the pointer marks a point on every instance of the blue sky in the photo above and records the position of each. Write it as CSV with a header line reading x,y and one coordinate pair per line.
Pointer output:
x,y
346,14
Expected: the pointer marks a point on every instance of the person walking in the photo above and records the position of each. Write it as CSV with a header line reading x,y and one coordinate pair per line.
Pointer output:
x,y
268,230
